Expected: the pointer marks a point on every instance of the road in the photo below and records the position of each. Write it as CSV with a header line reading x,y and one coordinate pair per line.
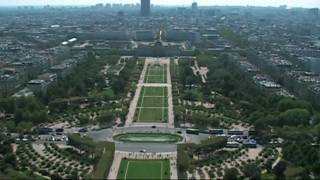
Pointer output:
x,y
149,147
107,135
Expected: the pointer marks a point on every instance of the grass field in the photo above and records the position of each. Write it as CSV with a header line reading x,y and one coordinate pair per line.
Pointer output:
x,y
156,74
144,169
152,105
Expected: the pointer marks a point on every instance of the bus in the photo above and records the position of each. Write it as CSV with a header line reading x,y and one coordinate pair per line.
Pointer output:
x,y
192,131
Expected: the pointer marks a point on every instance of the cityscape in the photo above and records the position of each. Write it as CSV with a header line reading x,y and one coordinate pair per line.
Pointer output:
x,y
142,90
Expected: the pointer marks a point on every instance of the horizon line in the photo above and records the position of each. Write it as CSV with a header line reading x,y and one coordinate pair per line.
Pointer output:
x,y
161,5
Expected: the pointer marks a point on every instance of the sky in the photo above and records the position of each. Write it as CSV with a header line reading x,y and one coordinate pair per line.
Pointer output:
x,y
290,3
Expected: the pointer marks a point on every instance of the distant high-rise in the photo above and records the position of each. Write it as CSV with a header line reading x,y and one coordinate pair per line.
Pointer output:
x,y
314,12
145,8
194,6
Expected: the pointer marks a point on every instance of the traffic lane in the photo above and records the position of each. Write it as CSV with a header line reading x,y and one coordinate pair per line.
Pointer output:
x,y
107,134
149,147
146,129
101,135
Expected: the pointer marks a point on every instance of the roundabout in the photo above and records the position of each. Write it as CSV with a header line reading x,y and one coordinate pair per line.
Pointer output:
x,y
148,138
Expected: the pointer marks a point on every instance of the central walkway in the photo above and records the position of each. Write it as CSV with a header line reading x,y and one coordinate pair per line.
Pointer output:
x,y
154,81
142,83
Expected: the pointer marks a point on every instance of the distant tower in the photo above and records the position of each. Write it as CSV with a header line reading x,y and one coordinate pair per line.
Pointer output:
x,y
194,6
145,8
314,12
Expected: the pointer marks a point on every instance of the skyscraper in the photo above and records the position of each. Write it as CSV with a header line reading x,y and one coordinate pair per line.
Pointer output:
x,y
194,6
314,12
145,8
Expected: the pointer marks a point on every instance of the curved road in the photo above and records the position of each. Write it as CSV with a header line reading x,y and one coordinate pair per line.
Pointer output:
x,y
107,134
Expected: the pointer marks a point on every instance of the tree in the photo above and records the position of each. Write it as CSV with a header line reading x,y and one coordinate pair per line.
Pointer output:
x,y
316,119
183,160
294,117
279,169
317,130
24,126
231,174
10,159
286,104
211,145
58,105
191,95
118,85
252,171
106,117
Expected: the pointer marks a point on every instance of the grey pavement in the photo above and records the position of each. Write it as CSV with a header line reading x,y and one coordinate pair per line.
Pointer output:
x,y
149,147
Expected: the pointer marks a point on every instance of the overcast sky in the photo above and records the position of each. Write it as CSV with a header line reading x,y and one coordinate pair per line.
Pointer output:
x,y
291,3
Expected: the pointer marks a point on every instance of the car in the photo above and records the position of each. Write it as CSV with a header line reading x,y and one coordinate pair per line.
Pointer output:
x,y
83,130
179,132
206,131
154,127
143,151
44,131
59,130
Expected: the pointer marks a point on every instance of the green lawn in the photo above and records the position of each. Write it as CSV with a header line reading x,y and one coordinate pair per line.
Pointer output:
x,y
159,102
144,169
151,115
152,105
154,91
156,74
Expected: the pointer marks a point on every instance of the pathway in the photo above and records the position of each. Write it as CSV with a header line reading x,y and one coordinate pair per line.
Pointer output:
x,y
170,101
134,102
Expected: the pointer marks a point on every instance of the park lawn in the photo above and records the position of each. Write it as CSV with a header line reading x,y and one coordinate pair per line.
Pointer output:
x,y
153,97
144,169
154,91
156,74
151,115
160,102
152,105
156,79
156,70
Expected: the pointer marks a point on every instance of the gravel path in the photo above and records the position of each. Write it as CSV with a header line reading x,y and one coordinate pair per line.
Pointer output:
x,y
170,101
134,102
39,148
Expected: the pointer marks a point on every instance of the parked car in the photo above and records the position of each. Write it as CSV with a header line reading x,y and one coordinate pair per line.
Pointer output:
x,y
143,151
83,130
59,130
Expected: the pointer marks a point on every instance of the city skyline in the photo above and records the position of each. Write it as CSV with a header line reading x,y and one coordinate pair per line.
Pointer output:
x,y
290,3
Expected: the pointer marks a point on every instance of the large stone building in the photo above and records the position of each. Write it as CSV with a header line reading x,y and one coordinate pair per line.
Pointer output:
x,y
163,49
181,35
